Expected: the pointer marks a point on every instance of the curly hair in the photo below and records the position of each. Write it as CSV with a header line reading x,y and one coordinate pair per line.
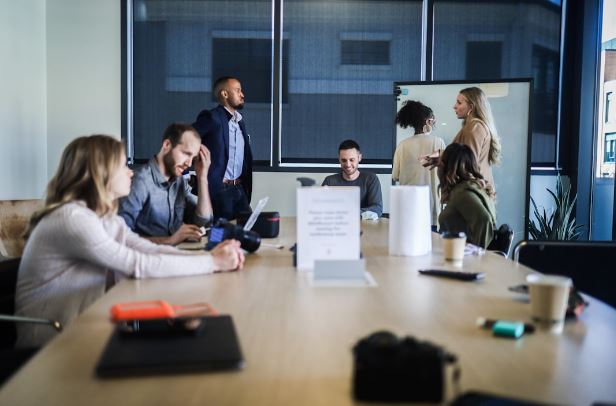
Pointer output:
x,y
457,164
414,114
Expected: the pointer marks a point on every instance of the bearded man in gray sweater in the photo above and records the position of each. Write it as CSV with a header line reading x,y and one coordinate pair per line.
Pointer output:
x,y
349,156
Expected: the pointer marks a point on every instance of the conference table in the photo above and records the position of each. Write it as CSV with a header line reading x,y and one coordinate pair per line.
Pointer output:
x,y
297,339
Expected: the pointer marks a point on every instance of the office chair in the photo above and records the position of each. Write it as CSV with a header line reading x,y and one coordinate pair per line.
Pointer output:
x,y
306,181
591,265
11,358
503,238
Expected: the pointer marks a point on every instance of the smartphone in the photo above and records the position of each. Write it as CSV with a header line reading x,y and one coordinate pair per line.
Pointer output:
x,y
463,276
162,327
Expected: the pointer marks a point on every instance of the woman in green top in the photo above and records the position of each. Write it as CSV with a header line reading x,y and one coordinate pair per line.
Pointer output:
x,y
468,197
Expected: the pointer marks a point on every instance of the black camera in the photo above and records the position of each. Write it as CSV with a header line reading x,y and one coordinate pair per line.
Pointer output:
x,y
223,230
389,369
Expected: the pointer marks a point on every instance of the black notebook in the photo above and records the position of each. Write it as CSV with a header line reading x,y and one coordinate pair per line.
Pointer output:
x,y
214,347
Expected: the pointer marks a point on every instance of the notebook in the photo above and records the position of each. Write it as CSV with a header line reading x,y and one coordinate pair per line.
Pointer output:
x,y
215,347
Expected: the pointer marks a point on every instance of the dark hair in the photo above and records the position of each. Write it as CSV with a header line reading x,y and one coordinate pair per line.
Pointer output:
x,y
220,83
174,133
349,144
414,113
458,164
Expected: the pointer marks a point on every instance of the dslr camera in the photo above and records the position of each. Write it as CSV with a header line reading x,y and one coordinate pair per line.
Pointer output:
x,y
390,369
224,230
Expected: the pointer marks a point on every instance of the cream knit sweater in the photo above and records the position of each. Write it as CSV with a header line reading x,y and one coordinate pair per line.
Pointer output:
x,y
68,257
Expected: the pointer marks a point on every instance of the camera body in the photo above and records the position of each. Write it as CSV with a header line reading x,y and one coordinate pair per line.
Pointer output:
x,y
224,230
398,370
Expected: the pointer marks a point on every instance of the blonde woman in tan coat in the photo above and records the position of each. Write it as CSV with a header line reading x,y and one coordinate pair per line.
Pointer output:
x,y
478,131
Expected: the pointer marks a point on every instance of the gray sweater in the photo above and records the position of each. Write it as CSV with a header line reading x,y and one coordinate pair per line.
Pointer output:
x,y
369,186
69,258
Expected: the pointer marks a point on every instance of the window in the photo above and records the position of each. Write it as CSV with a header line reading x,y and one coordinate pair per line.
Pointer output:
x,y
364,52
181,47
483,60
504,40
545,101
335,62
332,98
610,148
609,107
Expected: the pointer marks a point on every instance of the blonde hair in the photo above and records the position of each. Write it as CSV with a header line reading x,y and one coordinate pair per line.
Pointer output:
x,y
481,111
85,168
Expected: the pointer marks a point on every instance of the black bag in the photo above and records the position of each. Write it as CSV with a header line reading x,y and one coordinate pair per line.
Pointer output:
x,y
267,224
391,369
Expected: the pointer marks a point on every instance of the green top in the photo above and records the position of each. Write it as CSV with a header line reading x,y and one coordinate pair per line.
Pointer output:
x,y
471,210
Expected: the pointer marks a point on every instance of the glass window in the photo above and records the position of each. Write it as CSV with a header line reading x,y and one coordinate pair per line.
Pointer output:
x,y
484,40
484,60
609,107
343,59
181,47
355,52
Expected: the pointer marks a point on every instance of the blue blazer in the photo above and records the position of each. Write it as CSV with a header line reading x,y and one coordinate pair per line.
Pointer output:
x,y
213,126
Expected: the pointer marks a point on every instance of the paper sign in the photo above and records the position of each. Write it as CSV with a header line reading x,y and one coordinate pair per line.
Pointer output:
x,y
328,224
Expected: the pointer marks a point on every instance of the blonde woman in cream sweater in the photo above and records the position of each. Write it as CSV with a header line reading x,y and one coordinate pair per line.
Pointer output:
x,y
77,243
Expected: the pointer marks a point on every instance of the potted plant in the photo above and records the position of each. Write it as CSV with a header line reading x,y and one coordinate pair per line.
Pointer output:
x,y
559,224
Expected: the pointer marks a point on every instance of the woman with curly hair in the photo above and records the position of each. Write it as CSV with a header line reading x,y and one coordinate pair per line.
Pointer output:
x,y
468,197
407,167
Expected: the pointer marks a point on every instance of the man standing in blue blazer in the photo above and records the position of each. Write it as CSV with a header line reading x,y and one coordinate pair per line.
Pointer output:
x,y
223,132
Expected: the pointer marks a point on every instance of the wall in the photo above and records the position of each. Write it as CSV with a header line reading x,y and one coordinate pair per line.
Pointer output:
x,y
83,72
23,150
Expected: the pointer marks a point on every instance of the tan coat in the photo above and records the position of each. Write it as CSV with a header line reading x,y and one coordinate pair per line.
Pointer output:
x,y
475,134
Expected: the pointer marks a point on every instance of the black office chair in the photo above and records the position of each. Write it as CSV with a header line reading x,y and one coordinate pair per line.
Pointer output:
x,y
503,238
306,181
591,265
11,358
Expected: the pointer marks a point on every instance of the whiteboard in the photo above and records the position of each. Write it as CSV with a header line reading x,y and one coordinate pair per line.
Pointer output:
x,y
510,102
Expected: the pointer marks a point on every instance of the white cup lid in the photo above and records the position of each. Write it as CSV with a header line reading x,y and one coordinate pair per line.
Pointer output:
x,y
539,279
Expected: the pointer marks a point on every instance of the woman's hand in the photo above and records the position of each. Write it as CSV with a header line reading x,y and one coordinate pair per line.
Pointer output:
x,y
228,256
431,160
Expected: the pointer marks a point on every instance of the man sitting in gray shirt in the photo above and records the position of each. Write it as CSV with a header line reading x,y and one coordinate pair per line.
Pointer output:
x,y
349,156
160,199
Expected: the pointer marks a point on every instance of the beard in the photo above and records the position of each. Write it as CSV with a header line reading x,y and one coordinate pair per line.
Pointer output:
x,y
169,164
239,106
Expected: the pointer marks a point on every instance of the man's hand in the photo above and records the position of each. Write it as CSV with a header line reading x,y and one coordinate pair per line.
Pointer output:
x,y
185,232
228,256
202,166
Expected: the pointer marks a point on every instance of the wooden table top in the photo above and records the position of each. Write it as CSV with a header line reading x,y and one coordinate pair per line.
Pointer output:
x,y
297,339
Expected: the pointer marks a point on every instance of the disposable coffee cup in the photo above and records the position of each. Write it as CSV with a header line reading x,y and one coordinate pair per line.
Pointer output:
x,y
453,246
549,295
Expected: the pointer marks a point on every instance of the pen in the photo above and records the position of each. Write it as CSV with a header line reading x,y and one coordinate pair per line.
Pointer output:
x,y
506,328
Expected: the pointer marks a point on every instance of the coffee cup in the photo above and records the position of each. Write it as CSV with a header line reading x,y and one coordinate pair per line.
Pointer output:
x,y
453,246
549,295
